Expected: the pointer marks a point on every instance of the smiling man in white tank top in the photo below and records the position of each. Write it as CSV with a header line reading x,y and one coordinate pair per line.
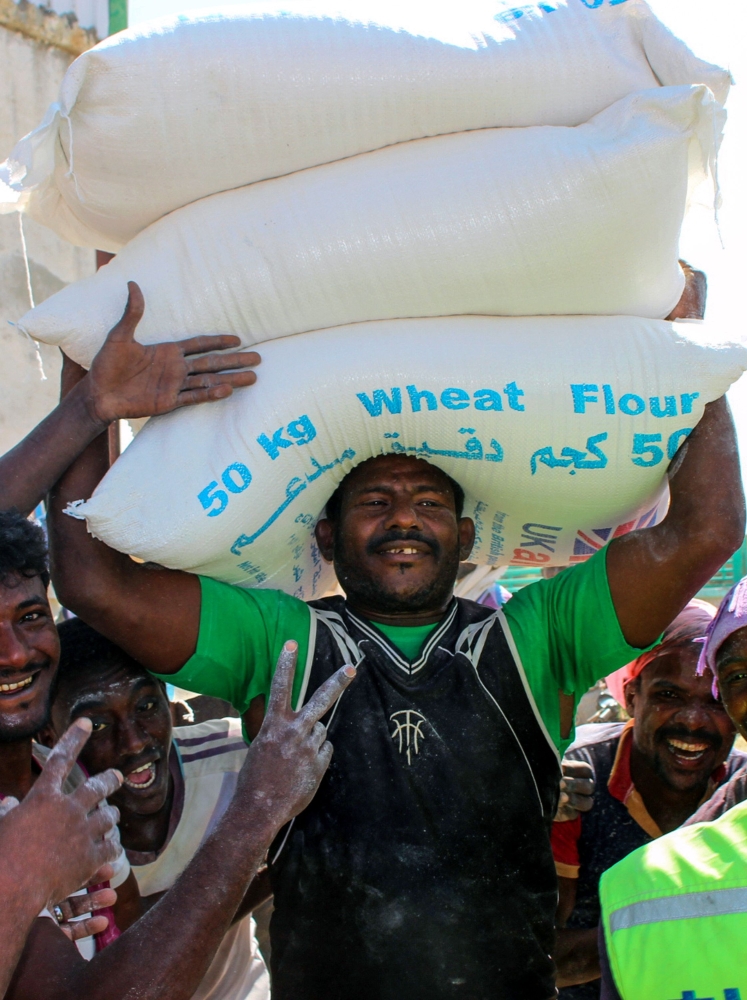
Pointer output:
x,y
177,785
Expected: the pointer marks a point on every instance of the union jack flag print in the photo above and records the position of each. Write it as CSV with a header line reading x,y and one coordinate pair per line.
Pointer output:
x,y
587,543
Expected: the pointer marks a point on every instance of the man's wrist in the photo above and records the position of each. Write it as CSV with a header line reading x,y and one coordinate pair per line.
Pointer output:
x,y
29,889
265,824
82,395
253,806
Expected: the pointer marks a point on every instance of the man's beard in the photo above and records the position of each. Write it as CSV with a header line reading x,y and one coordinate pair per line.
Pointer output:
x,y
28,725
25,730
365,591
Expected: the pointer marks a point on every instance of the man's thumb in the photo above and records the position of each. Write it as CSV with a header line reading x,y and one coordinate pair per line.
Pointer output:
x,y
133,313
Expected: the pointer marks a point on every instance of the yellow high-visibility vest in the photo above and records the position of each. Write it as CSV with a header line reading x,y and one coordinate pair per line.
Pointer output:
x,y
675,914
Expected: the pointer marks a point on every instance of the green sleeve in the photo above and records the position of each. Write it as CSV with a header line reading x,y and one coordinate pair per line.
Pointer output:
x,y
567,636
241,635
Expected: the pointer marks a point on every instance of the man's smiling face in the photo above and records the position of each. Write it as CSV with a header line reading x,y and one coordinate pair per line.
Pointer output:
x,y
682,730
29,653
397,540
132,730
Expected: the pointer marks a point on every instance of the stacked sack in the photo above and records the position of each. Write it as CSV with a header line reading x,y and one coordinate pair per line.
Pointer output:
x,y
452,232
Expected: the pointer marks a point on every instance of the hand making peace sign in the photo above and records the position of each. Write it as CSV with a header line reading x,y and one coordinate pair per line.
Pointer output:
x,y
288,759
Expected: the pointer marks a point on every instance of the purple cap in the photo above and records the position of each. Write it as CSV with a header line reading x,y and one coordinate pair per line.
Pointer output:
x,y
730,617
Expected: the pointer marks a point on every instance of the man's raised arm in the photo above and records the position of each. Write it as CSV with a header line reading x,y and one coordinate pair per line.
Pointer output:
x,y
127,379
153,614
654,572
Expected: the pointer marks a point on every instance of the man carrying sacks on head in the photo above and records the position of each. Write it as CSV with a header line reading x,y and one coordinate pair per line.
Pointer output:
x,y
422,868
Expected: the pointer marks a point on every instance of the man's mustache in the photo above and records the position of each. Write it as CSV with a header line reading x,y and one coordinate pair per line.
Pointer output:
x,y
412,535
690,735
7,674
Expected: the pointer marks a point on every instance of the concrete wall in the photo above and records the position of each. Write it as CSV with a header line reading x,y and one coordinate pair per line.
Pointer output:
x,y
31,75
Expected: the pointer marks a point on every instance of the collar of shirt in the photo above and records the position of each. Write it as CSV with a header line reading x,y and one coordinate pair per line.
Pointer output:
x,y
621,787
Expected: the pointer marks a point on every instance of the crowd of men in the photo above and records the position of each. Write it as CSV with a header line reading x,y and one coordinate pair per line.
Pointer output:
x,y
440,852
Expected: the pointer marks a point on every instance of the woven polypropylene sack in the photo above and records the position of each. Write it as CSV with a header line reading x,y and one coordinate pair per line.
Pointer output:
x,y
169,112
545,220
560,431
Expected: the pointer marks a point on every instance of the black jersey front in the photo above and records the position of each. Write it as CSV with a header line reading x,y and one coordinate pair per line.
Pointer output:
x,y
422,869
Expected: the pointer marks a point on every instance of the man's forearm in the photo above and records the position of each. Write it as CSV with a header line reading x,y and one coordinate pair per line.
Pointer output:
x,y
654,572
22,900
165,955
576,957
29,470
705,523
77,560
706,484
177,939
153,614
14,934
258,892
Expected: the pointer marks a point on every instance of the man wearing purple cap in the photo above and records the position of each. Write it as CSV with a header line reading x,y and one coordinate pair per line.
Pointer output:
x,y
726,649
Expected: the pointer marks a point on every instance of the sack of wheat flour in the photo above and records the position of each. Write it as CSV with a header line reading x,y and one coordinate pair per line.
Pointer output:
x,y
559,429
543,220
163,114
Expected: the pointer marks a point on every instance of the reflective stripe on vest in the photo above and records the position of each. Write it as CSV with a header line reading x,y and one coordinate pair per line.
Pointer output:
x,y
675,914
713,903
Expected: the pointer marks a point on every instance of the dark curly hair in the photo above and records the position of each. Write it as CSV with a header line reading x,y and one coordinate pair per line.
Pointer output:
x,y
83,650
85,655
23,548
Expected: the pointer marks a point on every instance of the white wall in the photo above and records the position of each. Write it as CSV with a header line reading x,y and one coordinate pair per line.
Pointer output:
x,y
31,75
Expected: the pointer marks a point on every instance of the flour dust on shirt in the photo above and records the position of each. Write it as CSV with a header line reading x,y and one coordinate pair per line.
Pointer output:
x,y
422,868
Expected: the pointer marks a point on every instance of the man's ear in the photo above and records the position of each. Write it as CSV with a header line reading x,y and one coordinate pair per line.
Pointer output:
x,y
325,538
466,537
631,690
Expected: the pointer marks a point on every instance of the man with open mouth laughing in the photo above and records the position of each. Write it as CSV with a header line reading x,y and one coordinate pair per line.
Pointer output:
x,y
684,897
177,784
650,774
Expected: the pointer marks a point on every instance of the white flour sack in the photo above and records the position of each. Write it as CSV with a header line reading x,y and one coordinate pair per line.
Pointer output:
x,y
560,431
546,220
159,116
